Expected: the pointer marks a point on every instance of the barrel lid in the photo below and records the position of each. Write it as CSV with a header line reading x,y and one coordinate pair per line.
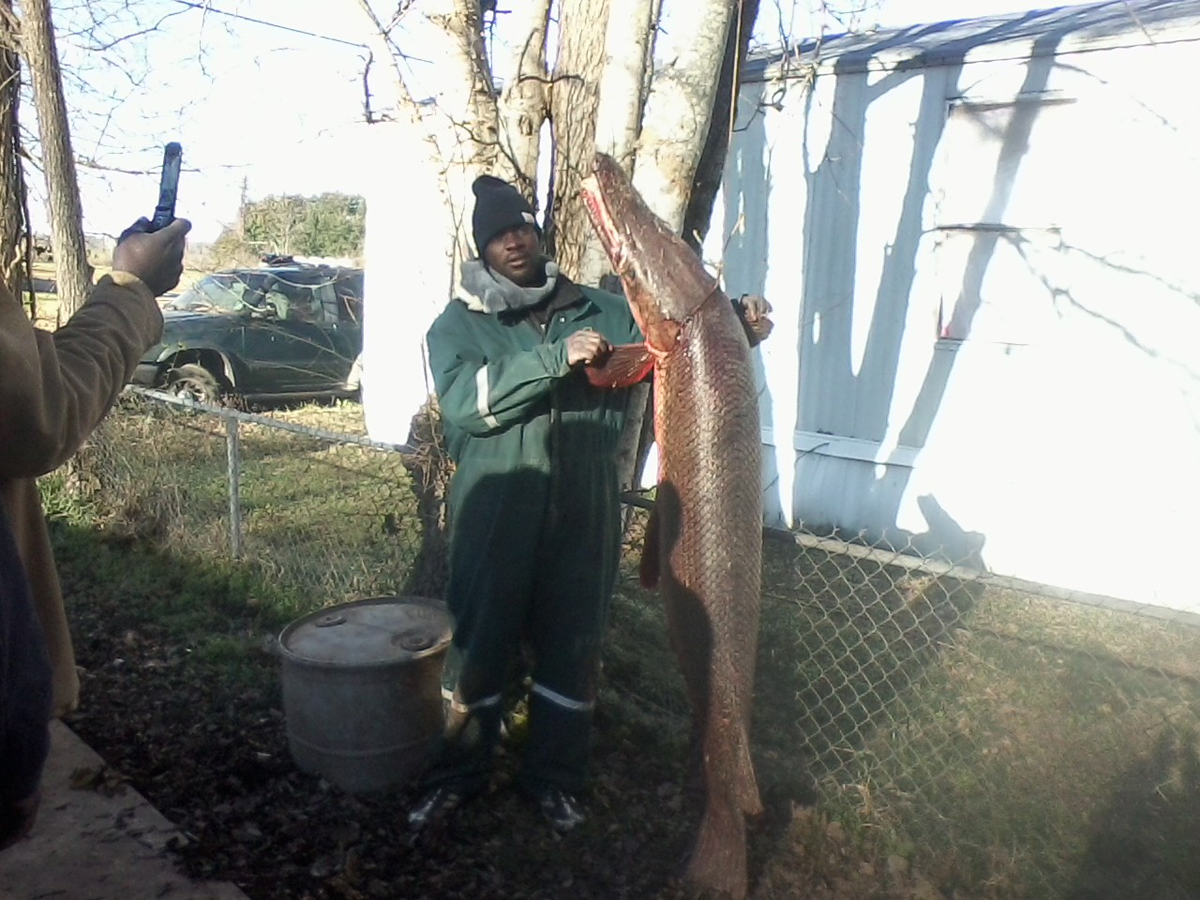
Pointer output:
x,y
368,632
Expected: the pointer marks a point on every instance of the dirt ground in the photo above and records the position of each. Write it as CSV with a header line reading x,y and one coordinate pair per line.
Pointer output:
x,y
213,758
197,726
210,753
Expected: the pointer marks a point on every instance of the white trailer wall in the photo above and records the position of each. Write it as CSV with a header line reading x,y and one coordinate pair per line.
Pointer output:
x,y
983,263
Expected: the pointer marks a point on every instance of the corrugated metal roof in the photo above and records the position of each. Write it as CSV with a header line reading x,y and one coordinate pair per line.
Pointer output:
x,y
1088,26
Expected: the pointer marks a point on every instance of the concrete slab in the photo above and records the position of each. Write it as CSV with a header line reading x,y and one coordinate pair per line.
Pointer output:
x,y
90,846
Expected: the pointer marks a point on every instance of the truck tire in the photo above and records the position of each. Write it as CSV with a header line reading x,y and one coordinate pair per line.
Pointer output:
x,y
195,382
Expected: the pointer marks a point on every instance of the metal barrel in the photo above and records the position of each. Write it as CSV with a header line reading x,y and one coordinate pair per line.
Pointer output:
x,y
362,689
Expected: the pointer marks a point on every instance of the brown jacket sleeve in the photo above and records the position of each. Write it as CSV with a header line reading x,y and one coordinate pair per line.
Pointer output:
x,y
56,387
54,390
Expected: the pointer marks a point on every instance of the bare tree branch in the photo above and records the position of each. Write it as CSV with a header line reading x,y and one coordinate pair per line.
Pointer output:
x,y
157,26
368,114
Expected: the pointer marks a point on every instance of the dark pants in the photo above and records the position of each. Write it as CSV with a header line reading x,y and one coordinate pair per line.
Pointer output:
x,y
26,685
525,568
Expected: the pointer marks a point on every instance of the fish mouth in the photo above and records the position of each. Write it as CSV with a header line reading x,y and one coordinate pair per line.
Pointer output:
x,y
606,229
662,276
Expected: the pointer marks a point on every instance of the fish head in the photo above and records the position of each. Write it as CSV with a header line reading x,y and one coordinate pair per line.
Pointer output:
x,y
663,278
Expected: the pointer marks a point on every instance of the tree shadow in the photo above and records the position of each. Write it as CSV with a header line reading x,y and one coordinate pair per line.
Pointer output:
x,y
1144,842
844,639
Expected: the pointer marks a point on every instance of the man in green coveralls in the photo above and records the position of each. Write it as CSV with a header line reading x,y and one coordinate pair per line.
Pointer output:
x,y
534,510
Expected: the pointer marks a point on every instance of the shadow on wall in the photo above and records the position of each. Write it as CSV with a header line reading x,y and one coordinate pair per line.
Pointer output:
x,y
746,252
945,539
849,368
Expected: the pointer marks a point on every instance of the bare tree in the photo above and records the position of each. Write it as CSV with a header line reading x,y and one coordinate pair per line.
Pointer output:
x,y
74,274
12,229
679,107
523,102
711,166
574,100
638,435
624,82
603,93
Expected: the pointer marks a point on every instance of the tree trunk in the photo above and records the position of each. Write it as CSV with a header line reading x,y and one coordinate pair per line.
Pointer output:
x,y
73,272
460,123
674,137
462,130
574,97
679,106
464,120
431,125
629,46
711,168
380,44
523,100
629,49
12,227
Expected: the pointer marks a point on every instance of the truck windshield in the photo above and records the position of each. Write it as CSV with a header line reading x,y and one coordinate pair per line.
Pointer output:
x,y
216,293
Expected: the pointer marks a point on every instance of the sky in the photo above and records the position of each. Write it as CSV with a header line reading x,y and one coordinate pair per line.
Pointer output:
x,y
273,105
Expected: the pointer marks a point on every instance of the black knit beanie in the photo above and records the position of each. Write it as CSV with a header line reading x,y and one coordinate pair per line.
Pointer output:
x,y
498,207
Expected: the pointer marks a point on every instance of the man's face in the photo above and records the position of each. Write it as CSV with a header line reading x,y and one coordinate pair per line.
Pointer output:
x,y
516,255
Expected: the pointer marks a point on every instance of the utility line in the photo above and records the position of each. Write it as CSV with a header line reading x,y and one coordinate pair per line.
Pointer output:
x,y
212,9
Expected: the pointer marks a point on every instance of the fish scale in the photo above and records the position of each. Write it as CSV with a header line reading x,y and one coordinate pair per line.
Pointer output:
x,y
706,424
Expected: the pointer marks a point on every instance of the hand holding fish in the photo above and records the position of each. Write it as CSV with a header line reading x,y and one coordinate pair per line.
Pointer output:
x,y
755,307
588,347
755,312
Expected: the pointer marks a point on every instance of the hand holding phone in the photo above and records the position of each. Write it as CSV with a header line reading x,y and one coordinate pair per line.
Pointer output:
x,y
156,258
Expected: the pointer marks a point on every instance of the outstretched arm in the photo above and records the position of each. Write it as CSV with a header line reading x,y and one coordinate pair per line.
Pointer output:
x,y
56,387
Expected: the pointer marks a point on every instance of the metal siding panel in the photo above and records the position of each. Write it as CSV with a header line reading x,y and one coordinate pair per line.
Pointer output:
x,y
1003,37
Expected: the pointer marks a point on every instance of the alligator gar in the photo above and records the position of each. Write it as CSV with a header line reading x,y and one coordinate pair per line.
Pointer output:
x,y
706,532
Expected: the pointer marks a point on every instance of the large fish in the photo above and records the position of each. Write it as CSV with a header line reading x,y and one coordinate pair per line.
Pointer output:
x,y
707,524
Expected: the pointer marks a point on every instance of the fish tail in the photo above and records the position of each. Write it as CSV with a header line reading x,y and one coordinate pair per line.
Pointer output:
x,y
717,867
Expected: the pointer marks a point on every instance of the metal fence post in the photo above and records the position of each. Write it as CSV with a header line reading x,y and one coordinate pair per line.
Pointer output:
x,y
233,447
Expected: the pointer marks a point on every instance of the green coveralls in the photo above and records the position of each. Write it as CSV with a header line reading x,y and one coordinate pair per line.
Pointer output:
x,y
534,525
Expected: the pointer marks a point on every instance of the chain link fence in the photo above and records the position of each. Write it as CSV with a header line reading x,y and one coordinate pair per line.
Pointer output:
x,y
987,737
320,513
1010,739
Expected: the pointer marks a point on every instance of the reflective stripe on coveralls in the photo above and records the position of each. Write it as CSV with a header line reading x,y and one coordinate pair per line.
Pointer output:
x,y
481,398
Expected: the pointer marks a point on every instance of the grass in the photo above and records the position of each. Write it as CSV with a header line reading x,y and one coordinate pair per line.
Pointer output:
x,y
982,743
315,516
986,757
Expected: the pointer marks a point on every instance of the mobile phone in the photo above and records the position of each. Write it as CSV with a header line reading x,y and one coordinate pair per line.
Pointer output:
x,y
168,186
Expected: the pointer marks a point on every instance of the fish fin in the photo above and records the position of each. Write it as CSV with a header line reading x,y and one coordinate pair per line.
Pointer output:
x,y
624,367
648,568
717,866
